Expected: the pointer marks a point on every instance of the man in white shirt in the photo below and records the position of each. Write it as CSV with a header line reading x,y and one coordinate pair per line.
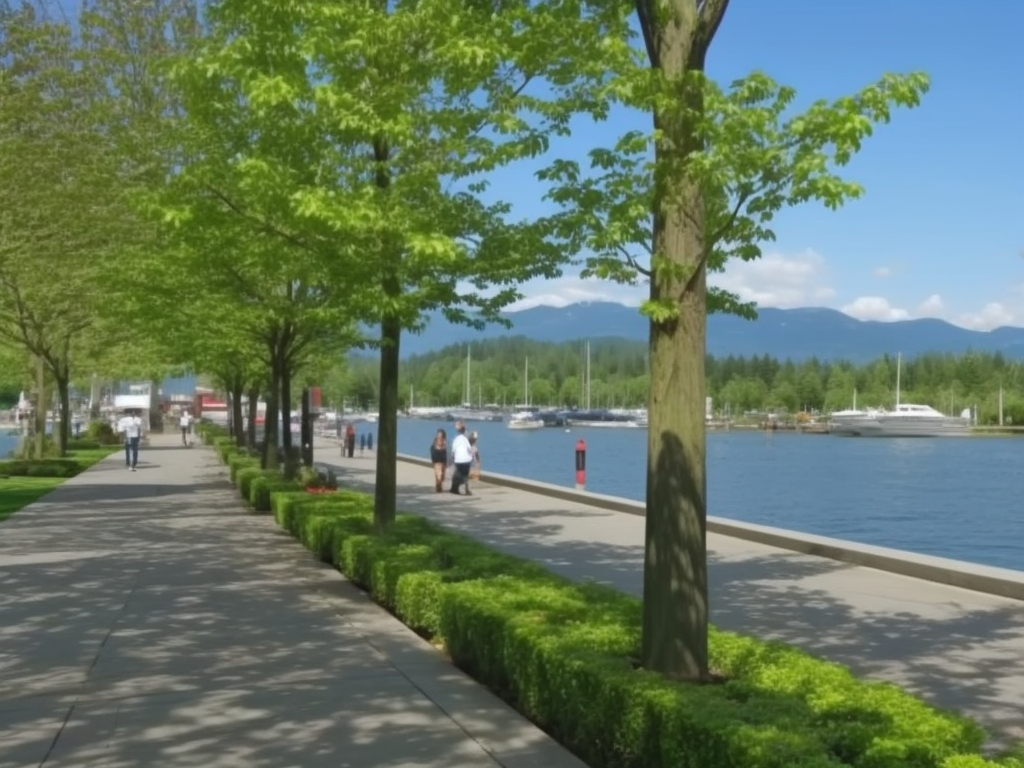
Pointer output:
x,y
131,427
462,458
186,426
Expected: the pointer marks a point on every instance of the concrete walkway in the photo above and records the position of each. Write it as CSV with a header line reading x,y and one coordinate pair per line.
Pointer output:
x,y
146,620
958,649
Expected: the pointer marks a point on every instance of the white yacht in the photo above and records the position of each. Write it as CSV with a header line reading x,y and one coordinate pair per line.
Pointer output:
x,y
525,420
905,420
909,420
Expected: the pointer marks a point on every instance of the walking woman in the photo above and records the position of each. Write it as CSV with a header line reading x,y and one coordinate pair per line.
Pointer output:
x,y
439,458
474,470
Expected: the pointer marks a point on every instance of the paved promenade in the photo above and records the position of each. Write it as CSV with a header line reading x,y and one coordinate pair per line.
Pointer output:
x,y
146,620
956,648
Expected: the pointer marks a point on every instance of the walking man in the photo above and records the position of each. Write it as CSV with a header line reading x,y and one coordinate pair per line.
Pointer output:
x,y
186,426
462,458
131,426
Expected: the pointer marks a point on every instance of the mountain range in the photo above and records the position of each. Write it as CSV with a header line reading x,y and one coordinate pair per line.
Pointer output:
x,y
783,333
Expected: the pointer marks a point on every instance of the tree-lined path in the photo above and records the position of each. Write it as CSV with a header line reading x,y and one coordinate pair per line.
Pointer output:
x,y
145,620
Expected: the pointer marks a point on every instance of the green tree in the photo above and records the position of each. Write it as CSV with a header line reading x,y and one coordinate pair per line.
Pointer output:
x,y
369,133
725,161
58,201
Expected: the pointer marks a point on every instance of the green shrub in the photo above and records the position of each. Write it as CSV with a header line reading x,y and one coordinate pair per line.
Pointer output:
x,y
238,462
74,463
78,444
102,432
40,468
563,654
974,761
265,485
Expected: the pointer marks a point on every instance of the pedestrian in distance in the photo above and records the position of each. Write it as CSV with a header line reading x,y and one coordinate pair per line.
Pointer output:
x,y
185,423
131,427
362,443
369,441
439,458
474,468
350,440
462,459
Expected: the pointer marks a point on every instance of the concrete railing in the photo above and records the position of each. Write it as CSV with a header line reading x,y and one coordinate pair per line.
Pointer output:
x,y
1002,582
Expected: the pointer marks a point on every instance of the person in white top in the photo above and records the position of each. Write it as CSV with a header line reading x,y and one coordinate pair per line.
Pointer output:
x,y
462,458
131,427
186,426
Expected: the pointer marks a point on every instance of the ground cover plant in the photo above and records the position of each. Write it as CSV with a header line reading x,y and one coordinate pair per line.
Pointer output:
x,y
18,492
564,654
76,462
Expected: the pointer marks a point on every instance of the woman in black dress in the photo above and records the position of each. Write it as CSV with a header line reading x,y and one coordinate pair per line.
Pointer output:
x,y
439,458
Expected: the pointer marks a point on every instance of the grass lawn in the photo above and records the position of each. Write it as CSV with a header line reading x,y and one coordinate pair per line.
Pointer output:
x,y
18,492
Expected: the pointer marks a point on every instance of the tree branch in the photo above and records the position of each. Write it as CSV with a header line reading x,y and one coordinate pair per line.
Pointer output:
x,y
709,18
631,260
646,11
265,226
709,243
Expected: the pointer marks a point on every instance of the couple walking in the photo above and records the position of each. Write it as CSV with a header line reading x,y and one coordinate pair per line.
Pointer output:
x,y
464,456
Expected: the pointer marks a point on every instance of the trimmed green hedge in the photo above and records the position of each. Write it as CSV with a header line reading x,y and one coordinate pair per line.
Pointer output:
x,y
563,654
974,761
256,486
74,463
40,468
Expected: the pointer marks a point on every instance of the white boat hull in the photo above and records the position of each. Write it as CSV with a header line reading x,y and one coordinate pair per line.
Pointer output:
x,y
900,426
618,424
526,424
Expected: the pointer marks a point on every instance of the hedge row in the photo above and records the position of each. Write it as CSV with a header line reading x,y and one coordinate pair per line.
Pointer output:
x,y
77,461
255,485
562,653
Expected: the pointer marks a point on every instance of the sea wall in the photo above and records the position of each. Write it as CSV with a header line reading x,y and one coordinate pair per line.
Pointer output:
x,y
1002,582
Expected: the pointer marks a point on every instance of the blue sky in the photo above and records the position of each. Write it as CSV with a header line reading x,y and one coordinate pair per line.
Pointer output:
x,y
940,231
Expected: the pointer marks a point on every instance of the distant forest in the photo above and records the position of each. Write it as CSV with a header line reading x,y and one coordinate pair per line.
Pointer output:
x,y
618,374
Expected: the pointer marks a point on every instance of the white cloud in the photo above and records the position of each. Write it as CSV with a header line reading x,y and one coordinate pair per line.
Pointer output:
x,y
776,280
574,290
992,315
784,281
933,306
874,308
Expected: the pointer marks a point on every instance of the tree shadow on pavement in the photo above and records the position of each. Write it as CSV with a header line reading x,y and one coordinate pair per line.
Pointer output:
x,y
159,624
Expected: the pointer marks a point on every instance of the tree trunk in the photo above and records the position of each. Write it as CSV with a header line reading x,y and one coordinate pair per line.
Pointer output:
x,y
675,604
40,414
254,397
385,492
285,403
64,396
270,421
307,427
237,389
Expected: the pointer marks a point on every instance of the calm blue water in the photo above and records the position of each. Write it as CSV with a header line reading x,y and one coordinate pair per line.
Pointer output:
x,y
950,497
7,444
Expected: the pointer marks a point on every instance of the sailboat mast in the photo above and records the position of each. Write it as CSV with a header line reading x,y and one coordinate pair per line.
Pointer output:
x,y
899,364
526,383
588,377
469,365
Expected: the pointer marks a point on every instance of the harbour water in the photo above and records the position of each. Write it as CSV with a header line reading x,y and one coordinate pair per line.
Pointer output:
x,y
7,443
951,497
